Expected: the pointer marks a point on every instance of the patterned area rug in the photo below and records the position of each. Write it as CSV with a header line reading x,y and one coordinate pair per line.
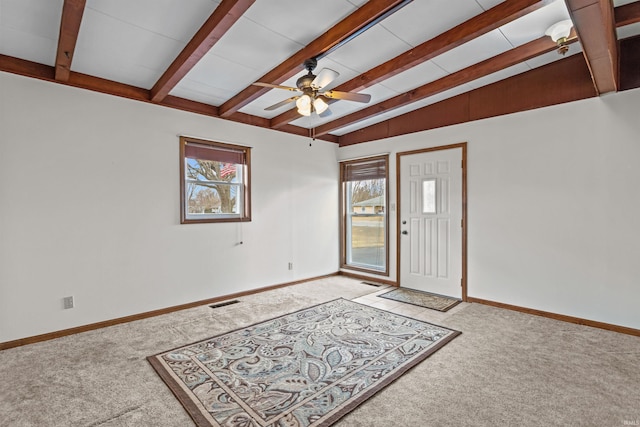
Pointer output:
x,y
308,368
423,299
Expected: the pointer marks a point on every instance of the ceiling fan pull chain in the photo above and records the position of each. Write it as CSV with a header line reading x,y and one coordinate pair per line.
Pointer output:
x,y
312,135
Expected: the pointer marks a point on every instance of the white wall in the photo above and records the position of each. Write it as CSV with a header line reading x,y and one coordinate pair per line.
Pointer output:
x,y
89,207
553,206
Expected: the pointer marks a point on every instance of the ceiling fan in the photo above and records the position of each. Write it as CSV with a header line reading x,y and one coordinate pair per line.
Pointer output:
x,y
313,98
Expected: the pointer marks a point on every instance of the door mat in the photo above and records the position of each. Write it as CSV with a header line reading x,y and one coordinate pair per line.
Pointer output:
x,y
422,299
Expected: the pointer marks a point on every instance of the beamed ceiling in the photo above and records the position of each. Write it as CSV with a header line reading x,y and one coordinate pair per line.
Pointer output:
x,y
425,63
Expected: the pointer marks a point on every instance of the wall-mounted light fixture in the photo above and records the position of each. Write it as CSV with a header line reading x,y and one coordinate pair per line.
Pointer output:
x,y
559,33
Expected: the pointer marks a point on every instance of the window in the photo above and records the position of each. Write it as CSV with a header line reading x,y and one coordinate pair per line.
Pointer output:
x,y
365,225
429,196
214,182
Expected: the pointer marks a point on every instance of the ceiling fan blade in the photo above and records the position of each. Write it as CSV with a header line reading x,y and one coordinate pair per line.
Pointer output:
x,y
325,113
349,96
324,77
275,86
282,103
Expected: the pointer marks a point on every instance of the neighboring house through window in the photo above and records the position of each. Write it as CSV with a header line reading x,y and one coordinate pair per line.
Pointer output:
x,y
214,181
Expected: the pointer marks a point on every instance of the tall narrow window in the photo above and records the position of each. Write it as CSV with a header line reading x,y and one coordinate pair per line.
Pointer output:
x,y
364,210
214,181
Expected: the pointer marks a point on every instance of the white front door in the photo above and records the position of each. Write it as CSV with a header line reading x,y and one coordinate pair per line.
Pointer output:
x,y
431,221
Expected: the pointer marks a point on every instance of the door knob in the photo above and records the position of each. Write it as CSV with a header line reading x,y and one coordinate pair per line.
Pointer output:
x,y
405,232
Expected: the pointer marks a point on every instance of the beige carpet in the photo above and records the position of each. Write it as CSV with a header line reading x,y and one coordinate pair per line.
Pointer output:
x,y
506,368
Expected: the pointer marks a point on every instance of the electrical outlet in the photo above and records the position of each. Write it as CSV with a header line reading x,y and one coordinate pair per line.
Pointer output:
x,y
67,302
290,266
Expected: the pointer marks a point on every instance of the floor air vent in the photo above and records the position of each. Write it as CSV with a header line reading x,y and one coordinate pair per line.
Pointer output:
x,y
377,285
222,304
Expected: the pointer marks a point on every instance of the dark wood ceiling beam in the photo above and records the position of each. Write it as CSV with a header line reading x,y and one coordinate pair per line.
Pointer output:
x,y
504,60
26,68
293,65
72,11
221,20
561,81
34,70
594,23
481,24
627,14
251,120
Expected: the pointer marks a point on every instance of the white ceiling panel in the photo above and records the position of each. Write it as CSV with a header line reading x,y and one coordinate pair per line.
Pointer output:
x,y
477,50
488,4
40,18
169,18
220,76
254,46
199,92
309,122
534,25
29,29
371,48
628,31
290,18
241,57
28,46
116,50
415,77
422,20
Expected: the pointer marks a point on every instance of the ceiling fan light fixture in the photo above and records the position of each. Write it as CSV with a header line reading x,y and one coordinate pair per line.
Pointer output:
x,y
305,112
314,95
304,105
304,102
320,105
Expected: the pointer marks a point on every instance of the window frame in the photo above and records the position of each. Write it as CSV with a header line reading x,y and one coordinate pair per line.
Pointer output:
x,y
344,214
245,186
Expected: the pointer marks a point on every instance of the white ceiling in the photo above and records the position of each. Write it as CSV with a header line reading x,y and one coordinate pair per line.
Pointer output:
x,y
134,42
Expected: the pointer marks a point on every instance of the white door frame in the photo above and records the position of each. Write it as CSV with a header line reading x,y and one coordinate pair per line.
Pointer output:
x,y
463,146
